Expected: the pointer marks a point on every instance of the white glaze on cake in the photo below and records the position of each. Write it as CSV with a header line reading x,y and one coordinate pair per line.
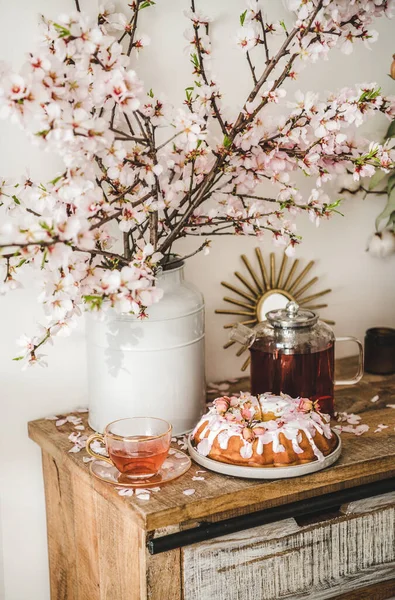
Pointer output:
x,y
237,416
274,404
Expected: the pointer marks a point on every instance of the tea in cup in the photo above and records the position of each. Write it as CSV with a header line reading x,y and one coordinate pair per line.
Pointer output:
x,y
137,447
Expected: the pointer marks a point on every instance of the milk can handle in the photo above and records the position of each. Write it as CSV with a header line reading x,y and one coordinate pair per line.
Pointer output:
x,y
359,374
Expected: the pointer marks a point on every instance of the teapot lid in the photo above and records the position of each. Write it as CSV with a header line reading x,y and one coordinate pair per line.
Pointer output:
x,y
292,316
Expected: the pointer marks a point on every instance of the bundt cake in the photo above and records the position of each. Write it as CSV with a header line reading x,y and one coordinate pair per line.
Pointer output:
x,y
268,431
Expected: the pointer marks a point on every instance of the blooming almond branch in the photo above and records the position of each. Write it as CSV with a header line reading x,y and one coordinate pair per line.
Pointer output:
x,y
140,174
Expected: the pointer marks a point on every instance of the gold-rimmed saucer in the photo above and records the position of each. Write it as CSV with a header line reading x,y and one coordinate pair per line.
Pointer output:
x,y
176,464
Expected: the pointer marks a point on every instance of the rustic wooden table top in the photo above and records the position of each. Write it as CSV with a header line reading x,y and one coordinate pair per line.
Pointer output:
x,y
366,458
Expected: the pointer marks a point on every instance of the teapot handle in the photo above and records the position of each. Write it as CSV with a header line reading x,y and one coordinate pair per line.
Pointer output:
x,y
359,373
243,335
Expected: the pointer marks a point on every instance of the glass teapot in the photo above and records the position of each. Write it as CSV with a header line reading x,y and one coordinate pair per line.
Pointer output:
x,y
293,352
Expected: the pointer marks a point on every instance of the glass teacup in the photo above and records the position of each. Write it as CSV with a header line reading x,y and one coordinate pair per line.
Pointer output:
x,y
137,447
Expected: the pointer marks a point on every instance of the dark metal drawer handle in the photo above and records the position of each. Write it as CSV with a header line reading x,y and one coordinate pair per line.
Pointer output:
x,y
317,505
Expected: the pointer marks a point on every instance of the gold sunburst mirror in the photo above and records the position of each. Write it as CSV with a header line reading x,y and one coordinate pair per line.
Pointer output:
x,y
266,289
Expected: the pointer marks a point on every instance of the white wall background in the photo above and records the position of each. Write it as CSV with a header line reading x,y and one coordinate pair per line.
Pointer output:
x,y
363,288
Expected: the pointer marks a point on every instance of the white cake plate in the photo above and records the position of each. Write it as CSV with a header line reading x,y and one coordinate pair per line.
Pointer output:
x,y
265,472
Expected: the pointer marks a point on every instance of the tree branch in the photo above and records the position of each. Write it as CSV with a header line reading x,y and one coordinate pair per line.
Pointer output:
x,y
45,244
203,73
260,19
106,220
252,68
126,248
133,29
127,137
135,183
255,197
182,258
272,64
153,228
129,123
8,269
143,131
168,141
241,121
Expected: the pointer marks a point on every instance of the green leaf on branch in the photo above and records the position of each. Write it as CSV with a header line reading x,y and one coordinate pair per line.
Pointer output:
x,y
94,302
18,358
391,183
388,210
227,142
369,95
195,60
188,93
243,18
63,31
391,130
283,26
332,207
16,200
376,179
44,259
45,226
146,4
43,132
150,93
55,181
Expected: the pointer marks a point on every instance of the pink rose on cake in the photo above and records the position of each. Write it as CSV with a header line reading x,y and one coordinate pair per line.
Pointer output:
x,y
234,401
234,415
222,404
248,434
259,430
306,405
248,411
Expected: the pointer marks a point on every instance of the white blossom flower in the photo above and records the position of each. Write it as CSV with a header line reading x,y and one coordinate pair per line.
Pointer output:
x,y
142,41
25,343
247,38
119,21
364,170
190,129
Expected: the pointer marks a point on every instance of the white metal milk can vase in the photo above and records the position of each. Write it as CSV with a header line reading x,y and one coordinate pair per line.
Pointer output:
x,y
151,367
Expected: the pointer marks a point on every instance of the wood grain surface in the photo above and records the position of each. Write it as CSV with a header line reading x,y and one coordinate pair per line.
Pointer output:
x,y
286,560
60,529
95,552
364,459
381,591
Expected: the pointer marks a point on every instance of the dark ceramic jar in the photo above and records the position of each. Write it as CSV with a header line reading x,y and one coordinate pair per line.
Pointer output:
x,y
380,350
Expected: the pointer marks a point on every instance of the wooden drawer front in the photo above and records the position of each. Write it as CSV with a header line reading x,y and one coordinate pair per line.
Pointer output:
x,y
286,561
